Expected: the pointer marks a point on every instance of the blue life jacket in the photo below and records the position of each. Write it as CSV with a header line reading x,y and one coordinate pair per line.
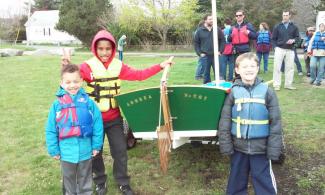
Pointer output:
x,y
263,37
250,117
74,118
227,33
306,43
318,43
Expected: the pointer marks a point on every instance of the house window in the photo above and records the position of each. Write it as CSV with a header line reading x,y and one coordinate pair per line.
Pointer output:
x,y
44,31
49,31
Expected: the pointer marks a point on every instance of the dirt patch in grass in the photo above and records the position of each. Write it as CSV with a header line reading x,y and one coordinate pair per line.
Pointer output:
x,y
296,166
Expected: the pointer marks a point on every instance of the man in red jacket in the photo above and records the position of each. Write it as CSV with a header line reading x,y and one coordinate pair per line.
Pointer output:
x,y
103,74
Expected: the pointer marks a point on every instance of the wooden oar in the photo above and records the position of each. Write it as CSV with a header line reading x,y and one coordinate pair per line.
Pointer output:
x,y
163,131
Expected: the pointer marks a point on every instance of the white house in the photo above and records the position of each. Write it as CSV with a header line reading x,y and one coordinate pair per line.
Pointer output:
x,y
40,28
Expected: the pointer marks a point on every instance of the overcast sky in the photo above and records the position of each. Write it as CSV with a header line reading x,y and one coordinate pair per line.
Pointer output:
x,y
12,7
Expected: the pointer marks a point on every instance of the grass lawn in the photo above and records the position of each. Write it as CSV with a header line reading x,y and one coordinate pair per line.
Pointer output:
x,y
29,85
17,46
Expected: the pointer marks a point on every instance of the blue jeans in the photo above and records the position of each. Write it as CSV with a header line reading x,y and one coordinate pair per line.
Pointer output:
x,y
265,59
297,62
317,64
206,62
120,55
224,61
199,69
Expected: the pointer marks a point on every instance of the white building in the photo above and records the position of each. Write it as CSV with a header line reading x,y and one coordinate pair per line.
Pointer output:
x,y
40,28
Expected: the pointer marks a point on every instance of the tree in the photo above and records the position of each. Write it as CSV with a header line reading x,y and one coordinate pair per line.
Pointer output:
x,y
204,6
47,4
257,11
318,5
159,16
304,14
80,18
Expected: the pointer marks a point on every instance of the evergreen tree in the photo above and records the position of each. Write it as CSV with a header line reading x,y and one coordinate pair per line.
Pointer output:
x,y
47,4
80,18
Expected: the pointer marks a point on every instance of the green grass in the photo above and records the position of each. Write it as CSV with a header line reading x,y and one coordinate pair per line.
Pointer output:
x,y
28,87
17,46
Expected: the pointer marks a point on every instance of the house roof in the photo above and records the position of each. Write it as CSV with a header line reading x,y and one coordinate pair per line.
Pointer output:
x,y
43,18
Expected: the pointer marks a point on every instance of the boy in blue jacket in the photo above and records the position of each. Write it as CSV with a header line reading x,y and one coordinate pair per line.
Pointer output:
x,y
74,132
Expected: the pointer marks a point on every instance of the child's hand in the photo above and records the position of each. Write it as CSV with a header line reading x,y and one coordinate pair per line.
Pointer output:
x,y
57,157
168,62
95,152
66,57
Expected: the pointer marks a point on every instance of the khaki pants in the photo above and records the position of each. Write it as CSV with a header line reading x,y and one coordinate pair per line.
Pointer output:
x,y
288,55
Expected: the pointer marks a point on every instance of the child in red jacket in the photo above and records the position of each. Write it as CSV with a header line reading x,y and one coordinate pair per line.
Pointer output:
x,y
103,74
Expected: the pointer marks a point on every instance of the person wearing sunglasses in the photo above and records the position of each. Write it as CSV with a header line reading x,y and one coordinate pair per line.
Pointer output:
x,y
242,33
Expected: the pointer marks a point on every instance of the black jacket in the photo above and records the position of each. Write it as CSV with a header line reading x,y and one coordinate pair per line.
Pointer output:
x,y
203,41
281,35
272,145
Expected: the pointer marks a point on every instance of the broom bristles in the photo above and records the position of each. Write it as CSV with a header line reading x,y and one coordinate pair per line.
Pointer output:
x,y
164,144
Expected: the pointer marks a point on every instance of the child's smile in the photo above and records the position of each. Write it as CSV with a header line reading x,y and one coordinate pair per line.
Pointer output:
x,y
104,50
248,70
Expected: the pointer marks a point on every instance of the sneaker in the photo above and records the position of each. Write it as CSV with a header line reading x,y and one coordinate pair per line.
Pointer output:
x,y
126,190
290,87
300,74
311,82
276,88
101,189
318,84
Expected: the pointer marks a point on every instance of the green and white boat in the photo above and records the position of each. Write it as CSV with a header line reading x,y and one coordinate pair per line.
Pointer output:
x,y
195,112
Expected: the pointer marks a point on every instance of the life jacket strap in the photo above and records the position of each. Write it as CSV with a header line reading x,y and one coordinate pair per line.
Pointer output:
x,y
250,122
240,101
97,97
105,79
96,86
240,121
65,106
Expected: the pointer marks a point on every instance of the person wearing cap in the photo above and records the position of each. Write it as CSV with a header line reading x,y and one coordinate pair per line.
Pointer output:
x,y
309,33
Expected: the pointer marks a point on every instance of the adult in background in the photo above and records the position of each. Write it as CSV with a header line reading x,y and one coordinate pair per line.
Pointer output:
x,y
316,49
284,36
242,33
227,57
263,45
120,46
203,44
296,60
309,34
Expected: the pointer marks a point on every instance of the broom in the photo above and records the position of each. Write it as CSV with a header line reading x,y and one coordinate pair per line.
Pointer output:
x,y
163,131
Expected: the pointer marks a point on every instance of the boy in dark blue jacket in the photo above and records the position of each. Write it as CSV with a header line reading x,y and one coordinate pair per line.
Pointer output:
x,y
250,130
